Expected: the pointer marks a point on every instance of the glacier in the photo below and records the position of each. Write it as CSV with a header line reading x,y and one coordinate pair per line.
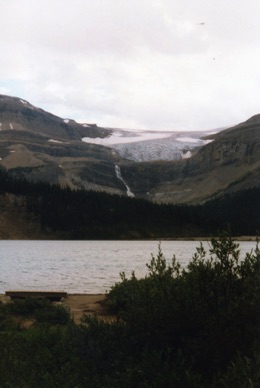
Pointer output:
x,y
144,146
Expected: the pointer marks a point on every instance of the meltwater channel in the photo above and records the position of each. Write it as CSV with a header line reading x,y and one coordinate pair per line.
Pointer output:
x,y
84,266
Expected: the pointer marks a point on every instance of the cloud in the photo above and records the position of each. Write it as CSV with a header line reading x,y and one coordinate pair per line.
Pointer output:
x,y
169,64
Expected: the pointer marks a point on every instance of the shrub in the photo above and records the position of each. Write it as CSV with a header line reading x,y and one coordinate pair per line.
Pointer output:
x,y
53,314
203,315
43,310
27,306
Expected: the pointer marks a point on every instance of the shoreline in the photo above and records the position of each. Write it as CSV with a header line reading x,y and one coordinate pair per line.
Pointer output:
x,y
80,304
236,238
189,238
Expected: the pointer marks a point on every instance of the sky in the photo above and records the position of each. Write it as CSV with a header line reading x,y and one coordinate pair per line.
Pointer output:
x,y
139,64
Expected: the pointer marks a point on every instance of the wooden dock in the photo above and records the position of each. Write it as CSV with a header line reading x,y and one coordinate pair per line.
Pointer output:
x,y
51,295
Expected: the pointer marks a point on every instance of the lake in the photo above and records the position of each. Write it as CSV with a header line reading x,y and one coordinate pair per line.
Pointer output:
x,y
83,266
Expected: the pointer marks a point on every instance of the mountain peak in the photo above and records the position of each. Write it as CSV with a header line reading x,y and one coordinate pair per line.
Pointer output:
x,y
254,119
18,114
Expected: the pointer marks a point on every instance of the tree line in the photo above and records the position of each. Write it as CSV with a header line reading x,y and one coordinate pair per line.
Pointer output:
x,y
80,214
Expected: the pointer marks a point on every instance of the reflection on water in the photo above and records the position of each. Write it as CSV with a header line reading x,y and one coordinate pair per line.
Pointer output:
x,y
83,266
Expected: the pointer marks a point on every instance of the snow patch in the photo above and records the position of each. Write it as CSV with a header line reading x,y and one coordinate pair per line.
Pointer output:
x,y
55,141
186,155
66,121
11,126
207,141
188,139
24,102
86,125
12,151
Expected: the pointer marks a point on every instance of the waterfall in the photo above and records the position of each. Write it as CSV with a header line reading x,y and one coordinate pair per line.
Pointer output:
x,y
129,193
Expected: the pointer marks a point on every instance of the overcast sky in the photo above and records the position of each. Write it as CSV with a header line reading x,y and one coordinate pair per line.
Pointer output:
x,y
147,64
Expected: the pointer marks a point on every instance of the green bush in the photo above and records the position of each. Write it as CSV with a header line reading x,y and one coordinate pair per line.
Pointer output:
x,y
203,315
27,306
43,310
53,314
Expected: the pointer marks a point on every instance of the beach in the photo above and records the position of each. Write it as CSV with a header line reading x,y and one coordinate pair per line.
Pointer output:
x,y
88,304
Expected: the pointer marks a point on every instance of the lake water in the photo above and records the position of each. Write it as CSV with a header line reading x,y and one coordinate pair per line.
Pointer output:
x,y
83,266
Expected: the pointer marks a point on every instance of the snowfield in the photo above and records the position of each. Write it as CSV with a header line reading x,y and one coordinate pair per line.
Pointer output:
x,y
187,139
125,136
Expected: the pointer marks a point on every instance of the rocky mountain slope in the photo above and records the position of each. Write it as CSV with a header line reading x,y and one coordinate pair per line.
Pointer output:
x,y
40,146
165,167
19,115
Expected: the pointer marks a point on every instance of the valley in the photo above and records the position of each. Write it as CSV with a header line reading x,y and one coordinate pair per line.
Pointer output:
x,y
160,166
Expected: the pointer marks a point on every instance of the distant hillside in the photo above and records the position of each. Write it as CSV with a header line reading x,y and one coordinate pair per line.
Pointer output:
x,y
17,224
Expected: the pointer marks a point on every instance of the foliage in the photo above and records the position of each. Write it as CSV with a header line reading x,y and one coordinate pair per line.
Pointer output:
x,y
192,327
27,306
39,308
203,316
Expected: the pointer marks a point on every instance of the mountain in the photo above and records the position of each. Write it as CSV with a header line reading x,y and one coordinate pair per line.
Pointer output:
x,y
19,115
39,146
229,163
166,167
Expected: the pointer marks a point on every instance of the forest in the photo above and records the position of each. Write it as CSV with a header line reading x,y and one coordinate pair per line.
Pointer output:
x,y
79,214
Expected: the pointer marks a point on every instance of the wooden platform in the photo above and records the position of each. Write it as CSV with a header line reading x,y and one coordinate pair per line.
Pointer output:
x,y
51,295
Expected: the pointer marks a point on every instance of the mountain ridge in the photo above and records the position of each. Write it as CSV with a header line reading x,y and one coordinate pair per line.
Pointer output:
x,y
19,114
